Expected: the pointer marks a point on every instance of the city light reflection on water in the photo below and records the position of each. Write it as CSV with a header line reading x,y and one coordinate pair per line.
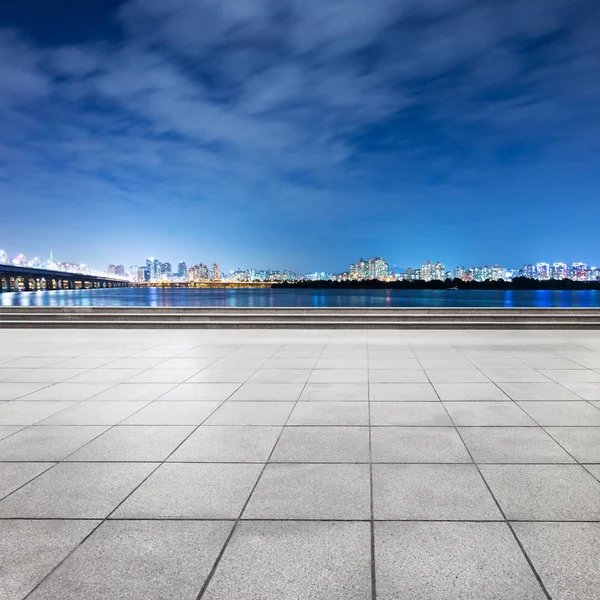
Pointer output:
x,y
318,298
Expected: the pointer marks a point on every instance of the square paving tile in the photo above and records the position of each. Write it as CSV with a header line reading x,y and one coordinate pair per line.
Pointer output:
x,y
270,392
394,363
153,560
281,375
29,550
544,492
331,392
457,392
587,391
323,444
409,413
290,363
402,392
27,413
164,376
133,443
583,443
220,375
330,413
7,430
538,391
506,414
69,392
224,443
451,561
339,376
75,491
516,376
512,445
562,413
46,375
94,413
398,376
305,491
173,413
13,391
200,392
431,492
447,364
565,555
13,475
47,443
321,561
251,413
572,376
134,392
192,491
105,375
457,376
417,445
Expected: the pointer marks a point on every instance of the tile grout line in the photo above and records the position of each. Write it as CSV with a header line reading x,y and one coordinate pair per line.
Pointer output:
x,y
371,500
217,561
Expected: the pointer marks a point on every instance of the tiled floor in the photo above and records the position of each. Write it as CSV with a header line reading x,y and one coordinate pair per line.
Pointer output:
x,y
274,465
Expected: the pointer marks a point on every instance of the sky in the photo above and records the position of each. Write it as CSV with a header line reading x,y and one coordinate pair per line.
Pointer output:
x,y
300,134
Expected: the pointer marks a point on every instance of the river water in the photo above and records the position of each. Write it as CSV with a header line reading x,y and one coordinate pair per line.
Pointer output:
x,y
308,298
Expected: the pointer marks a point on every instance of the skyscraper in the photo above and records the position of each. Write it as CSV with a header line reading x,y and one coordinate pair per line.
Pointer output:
x,y
215,272
182,270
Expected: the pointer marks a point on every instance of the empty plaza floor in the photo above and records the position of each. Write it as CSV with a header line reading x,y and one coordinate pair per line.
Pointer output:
x,y
299,464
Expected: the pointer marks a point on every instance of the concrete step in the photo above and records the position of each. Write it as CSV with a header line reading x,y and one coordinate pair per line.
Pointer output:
x,y
303,324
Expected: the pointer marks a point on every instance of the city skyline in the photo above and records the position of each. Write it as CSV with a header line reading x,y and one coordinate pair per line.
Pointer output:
x,y
291,133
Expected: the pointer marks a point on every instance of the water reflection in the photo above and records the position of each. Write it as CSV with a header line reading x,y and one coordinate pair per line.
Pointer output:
x,y
266,298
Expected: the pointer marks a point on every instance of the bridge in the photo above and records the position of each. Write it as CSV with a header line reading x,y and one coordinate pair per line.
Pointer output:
x,y
28,279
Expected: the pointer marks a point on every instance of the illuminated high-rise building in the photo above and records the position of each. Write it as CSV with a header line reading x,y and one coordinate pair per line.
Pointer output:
x,y
215,272
3,256
458,272
182,270
426,271
559,270
542,271
438,272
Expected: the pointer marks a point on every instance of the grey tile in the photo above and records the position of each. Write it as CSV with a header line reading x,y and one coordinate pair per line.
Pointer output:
x,y
394,363
281,376
417,445
216,375
173,413
48,375
273,392
133,443
342,363
134,392
397,376
68,392
331,392
323,444
330,413
457,376
200,392
409,413
189,364
447,364
7,430
13,475
339,376
594,470
431,492
587,391
75,491
12,391
565,555
17,374
457,392
402,392
29,550
516,376
320,560
572,375
19,412
290,363
222,443
154,560
140,364
563,412
192,491
583,443
507,414
105,375
544,492
251,413
94,413
538,391
311,491
164,376
512,445
466,561
47,443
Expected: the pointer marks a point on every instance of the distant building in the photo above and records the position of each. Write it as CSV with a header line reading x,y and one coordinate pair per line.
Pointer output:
x,y
559,270
542,271
215,272
118,270
182,270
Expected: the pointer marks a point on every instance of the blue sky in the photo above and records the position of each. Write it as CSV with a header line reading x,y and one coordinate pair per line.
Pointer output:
x,y
301,134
